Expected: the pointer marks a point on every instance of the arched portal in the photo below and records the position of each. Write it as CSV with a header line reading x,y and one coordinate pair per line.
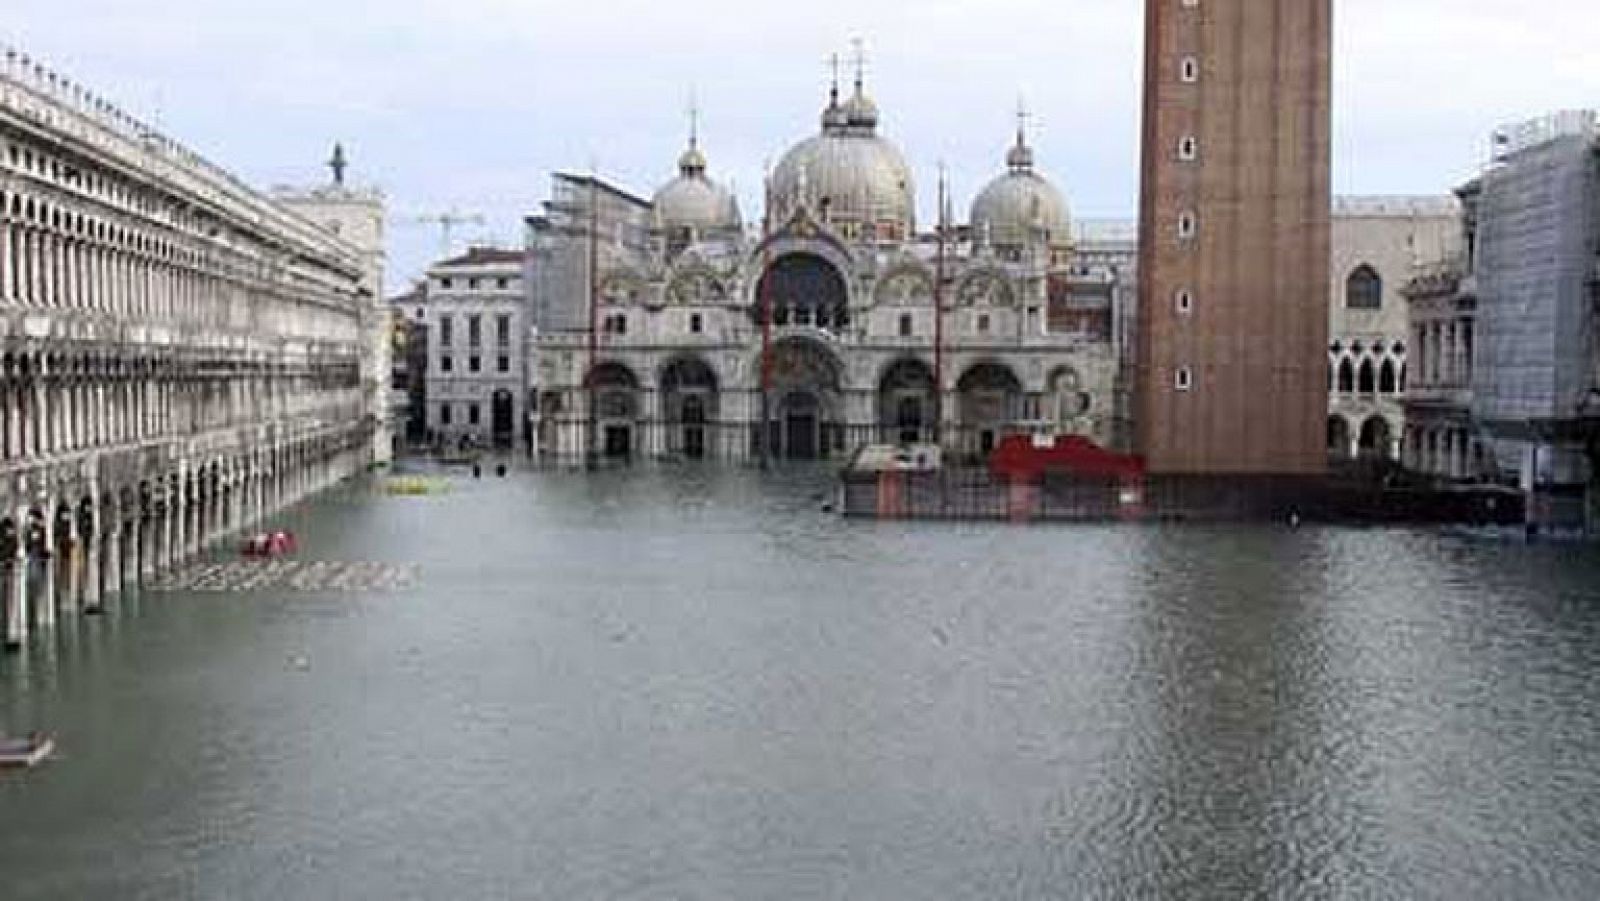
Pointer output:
x,y
1367,380
805,411
1375,438
691,405
907,408
1338,438
615,391
803,289
990,400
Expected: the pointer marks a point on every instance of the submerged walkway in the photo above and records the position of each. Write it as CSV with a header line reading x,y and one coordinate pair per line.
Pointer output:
x,y
241,576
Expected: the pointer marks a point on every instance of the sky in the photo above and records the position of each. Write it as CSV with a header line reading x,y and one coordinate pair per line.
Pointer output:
x,y
468,105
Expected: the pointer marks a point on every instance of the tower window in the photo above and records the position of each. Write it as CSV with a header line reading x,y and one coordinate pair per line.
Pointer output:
x,y
1188,148
1184,302
905,325
1183,379
1189,70
1187,225
696,324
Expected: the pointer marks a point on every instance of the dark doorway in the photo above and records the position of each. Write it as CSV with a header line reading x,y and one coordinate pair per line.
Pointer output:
x,y
800,439
619,441
502,419
694,428
909,420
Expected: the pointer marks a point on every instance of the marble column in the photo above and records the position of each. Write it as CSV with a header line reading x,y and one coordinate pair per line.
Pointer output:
x,y
17,588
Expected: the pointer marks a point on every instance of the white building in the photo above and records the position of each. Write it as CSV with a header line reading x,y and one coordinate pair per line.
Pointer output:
x,y
1377,244
838,323
475,309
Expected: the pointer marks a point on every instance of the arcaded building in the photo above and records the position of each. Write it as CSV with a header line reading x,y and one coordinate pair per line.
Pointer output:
x,y
183,355
843,319
1378,244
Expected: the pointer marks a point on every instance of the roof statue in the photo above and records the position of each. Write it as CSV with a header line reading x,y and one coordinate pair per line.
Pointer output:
x,y
337,163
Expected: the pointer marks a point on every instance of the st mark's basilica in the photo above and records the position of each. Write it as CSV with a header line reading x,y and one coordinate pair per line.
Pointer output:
x,y
833,306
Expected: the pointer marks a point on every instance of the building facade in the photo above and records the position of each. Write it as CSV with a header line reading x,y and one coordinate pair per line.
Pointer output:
x,y
1442,440
183,356
836,324
1535,386
474,310
1234,237
1506,330
356,216
1377,244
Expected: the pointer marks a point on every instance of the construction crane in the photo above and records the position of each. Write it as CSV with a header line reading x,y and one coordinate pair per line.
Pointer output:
x,y
446,223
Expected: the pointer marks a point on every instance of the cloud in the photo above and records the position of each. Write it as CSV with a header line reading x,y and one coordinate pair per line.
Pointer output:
x,y
469,104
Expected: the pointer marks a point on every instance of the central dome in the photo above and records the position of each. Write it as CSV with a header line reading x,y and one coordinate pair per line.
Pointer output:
x,y
848,175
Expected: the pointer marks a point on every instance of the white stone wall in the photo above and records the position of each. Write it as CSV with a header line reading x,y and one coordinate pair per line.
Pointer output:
x,y
1392,236
182,356
456,293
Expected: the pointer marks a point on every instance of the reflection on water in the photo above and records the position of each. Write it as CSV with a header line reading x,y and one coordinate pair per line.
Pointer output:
x,y
697,684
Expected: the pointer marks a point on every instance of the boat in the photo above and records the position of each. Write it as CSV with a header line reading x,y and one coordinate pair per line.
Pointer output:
x,y
26,752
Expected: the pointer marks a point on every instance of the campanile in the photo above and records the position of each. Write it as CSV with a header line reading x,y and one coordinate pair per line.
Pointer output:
x,y
1233,237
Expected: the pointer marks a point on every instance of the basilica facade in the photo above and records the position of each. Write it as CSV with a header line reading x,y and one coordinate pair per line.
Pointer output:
x,y
671,327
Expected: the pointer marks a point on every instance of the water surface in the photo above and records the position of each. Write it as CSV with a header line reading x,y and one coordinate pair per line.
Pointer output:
x,y
695,684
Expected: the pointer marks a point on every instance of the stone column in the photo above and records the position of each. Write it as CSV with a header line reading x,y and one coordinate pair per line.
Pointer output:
x,y
113,561
47,575
178,520
94,575
171,530
144,551
17,588
71,565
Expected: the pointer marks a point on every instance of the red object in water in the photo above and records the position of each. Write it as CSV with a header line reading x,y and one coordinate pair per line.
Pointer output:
x,y
1018,457
269,545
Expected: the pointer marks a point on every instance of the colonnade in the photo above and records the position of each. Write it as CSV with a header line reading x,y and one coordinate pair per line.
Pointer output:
x,y
1447,450
181,356
82,542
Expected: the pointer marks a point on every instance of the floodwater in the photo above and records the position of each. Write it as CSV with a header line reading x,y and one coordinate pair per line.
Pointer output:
x,y
696,684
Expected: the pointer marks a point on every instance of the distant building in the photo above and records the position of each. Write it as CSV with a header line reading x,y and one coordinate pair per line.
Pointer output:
x,y
837,324
558,257
474,310
356,215
1442,440
1377,244
409,364
1505,331
1534,379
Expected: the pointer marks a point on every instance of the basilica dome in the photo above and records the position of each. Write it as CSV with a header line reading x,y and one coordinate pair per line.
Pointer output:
x,y
692,202
848,173
1021,205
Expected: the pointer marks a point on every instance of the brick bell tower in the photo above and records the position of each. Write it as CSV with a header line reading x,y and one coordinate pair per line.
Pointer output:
x,y
1233,237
